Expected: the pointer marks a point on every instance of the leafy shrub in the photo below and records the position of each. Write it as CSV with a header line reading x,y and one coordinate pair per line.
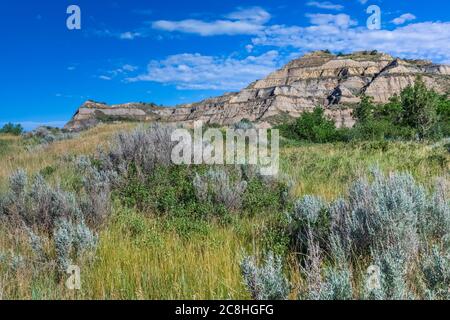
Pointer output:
x,y
312,127
266,282
419,107
416,113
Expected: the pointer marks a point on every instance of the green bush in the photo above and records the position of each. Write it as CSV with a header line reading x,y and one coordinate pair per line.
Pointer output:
x,y
416,113
168,190
311,127
9,128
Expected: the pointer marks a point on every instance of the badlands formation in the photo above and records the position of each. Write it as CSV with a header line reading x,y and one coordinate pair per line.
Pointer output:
x,y
334,82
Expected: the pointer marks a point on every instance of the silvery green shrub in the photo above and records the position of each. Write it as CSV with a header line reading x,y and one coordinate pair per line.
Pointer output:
x,y
389,218
436,272
337,285
47,204
95,201
393,263
44,136
12,260
389,211
308,221
17,262
13,203
38,204
217,186
84,240
36,244
71,241
313,268
17,183
265,282
63,238
436,221
141,150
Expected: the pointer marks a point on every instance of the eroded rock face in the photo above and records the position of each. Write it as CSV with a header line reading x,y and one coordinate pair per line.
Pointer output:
x,y
317,79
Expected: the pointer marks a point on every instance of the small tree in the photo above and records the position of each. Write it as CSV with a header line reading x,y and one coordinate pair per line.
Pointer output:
x,y
365,109
419,107
315,127
9,128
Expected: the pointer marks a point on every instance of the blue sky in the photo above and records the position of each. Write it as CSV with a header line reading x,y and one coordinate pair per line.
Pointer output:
x,y
172,52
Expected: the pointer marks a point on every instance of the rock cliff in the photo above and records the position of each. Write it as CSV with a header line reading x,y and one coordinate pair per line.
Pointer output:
x,y
316,79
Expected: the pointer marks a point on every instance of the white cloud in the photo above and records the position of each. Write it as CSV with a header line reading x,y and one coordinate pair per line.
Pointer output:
x,y
428,40
255,14
338,20
218,27
128,68
199,72
248,21
325,5
336,32
123,70
129,35
404,18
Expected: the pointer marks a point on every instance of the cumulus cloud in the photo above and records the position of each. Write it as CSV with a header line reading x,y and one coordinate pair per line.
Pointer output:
x,y
245,21
198,72
325,5
336,32
404,18
427,40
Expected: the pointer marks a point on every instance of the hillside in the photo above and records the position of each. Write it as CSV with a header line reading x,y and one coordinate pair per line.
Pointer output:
x,y
335,82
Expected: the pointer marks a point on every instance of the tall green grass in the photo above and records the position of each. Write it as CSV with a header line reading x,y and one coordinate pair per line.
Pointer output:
x,y
145,256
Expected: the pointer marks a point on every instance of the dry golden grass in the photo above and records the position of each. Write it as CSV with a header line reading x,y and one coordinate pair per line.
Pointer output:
x,y
39,158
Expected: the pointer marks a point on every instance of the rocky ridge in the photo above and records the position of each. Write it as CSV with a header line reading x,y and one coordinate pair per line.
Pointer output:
x,y
334,82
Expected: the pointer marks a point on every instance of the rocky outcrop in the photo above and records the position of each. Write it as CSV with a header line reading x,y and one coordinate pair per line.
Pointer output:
x,y
317,79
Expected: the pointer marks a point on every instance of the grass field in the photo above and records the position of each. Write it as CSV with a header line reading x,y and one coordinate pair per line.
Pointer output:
x,y
145,256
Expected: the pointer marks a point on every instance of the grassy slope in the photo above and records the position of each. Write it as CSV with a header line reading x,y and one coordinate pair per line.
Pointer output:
x,y
141,256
